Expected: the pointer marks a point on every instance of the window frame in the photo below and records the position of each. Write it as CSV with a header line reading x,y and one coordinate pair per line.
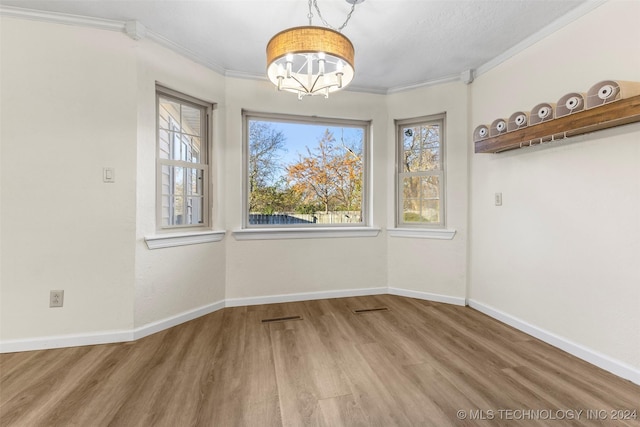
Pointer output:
x,y
441,120
206,131
247,116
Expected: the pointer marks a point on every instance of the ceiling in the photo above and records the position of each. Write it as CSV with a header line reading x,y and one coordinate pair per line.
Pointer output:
x,y
399,43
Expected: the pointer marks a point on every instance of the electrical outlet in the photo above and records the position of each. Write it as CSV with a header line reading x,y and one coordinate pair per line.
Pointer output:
x,y
498,199
56,298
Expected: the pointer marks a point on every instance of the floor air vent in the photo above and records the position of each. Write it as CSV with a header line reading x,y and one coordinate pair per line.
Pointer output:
x,y
281,319
370,310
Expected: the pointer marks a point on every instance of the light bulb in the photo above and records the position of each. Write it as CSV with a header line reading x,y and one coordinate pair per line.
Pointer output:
x,y
321,60
339,72
289,59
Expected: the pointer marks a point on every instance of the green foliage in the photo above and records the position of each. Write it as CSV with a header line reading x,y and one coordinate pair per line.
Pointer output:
x,y
309,208
413,217
273,199
429,217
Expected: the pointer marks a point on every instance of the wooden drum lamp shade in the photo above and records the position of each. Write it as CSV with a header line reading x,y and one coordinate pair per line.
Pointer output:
x,y
310,39
310,60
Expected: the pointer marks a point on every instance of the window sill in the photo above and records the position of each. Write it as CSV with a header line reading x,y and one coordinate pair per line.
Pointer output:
x,y
304,233
160,241
422,233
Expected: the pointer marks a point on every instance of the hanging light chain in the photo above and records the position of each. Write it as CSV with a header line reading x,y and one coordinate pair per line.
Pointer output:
x,y
310,14
315,4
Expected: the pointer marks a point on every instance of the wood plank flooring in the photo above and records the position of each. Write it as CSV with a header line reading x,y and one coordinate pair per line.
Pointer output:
x,y
417,364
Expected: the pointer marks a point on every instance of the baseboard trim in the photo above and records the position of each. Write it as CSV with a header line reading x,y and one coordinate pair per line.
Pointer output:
x,y
447,299
600,360
170,322
305,296
61,341
45,343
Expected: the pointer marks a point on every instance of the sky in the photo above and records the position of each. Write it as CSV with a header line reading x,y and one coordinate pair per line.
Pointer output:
x,y
300,135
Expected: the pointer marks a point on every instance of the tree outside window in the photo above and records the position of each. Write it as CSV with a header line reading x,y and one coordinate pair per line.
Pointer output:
x,y
304,172
420,171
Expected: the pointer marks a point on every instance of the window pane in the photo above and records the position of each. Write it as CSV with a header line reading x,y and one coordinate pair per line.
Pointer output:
x,y
304,173
172,212
184,148
421,148
173,180
411,199
178,210
176,145
430,187
421,199
195,210
431,211
178,180
191,120
164,144
193,150
169,114
165,211
195,181
182,138
414,161
411,187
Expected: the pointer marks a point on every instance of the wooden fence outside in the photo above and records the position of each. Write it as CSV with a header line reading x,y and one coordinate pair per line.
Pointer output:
x,y
337,217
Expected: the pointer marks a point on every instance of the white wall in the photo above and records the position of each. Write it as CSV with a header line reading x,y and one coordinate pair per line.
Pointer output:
x,y
428,265
174,280
274,267
75,100
562,253
68,110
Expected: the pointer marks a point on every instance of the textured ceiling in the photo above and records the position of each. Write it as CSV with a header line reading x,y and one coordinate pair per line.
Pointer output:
x,y
399,43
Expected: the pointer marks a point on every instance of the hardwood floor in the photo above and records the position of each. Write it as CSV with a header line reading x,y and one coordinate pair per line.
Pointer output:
x,y
417,364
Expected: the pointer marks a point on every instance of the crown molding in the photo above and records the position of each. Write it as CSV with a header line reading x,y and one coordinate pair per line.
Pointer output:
x,y
245,75
363,89
135,30
62,18
554,26
447,79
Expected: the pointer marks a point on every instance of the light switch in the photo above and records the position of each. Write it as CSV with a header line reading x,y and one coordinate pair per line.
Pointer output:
x,y
498,199
108,175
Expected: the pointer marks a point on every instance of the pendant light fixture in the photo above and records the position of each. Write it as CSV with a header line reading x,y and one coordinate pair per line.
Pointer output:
x,y
311,60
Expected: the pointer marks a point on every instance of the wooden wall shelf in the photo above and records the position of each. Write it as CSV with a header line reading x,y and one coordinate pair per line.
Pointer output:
x,y
617,113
